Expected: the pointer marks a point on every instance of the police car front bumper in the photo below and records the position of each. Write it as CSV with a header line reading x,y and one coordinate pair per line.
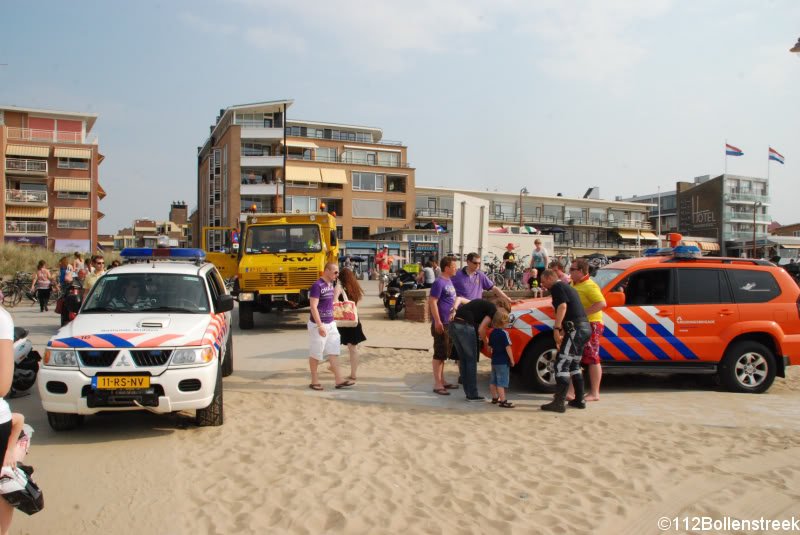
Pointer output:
x,y
70,391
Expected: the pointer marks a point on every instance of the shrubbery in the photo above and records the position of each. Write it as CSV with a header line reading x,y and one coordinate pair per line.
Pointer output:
x,y
15,258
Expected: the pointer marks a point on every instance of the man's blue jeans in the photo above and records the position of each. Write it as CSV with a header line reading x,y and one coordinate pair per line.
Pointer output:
x,y
465,342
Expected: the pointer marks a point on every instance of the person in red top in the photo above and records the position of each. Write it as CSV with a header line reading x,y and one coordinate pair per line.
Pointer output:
x,y
383,261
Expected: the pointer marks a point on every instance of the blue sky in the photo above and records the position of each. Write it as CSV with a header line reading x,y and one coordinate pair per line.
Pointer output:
x,y
553,95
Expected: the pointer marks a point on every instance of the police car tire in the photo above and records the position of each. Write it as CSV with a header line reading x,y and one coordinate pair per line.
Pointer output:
x,y
227,364
727,368
63,422
533,358
212,415
246,315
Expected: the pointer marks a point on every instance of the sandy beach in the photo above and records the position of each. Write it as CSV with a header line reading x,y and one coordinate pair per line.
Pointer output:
x,y
390,456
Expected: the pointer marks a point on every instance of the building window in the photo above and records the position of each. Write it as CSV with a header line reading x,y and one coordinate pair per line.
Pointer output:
x,y
367,181
396,210
396,184
78,195
334,206
254,120
256,149
368,208
389,159
72,163
72,224
339,232
326,154
295,203
360,233
293,184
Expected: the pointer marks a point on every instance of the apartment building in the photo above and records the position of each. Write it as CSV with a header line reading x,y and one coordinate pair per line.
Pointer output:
x,y
49,162
257,158
579,226
175,232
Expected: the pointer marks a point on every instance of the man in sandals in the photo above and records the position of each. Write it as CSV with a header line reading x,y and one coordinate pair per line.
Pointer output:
x,y
322,332
441,301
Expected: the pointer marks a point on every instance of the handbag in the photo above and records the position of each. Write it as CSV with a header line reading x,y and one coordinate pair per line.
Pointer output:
x,y
345,313
59,305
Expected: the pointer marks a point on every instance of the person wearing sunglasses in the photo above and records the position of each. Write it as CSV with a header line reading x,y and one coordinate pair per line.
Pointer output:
x,y
593,302
98,270
470,282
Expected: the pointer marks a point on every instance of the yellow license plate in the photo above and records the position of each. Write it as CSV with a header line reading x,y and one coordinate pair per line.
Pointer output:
x,y
392,301
122,382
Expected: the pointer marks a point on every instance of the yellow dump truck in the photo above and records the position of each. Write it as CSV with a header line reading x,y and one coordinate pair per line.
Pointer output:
x,y
277,258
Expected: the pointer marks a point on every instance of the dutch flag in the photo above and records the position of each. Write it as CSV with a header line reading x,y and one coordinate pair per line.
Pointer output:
x,y
730,150
775,155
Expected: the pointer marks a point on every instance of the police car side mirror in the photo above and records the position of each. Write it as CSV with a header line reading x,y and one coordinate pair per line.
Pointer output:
x,y
615,299
224,303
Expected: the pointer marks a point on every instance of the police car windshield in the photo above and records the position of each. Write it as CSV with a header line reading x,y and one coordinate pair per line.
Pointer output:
x,y
283,239
604,276
147,292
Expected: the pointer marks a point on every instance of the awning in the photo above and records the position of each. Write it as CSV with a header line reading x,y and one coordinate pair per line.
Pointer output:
x,y
627,234
334,176
100,158
74,214
708,246
81,154
27,211
72,184
100,215
690,243
790,246
647,235
101,193
28,150
301,144
296,173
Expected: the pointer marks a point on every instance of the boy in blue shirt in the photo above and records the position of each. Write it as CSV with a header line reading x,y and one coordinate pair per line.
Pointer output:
x,y
502,360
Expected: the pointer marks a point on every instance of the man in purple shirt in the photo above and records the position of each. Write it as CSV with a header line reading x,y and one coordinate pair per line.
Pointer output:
x,y
322,332
470,282
441,301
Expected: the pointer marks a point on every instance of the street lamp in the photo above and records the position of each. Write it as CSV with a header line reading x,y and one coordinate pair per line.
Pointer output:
x,y
756,206
523,191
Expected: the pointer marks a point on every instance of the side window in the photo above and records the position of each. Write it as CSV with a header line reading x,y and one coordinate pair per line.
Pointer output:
x,y
648,287
214,285
699,286
750,286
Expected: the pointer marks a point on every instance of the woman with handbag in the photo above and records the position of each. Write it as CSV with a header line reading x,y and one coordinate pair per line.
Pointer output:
x,y
351,336
41,284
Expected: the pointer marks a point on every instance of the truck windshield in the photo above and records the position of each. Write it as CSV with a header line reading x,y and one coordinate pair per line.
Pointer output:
x,y
283,239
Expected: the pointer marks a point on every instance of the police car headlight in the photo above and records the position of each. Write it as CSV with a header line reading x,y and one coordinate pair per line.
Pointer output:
x,y
194,355
60,357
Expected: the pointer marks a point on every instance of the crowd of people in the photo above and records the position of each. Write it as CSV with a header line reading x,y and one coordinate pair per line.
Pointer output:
x,y
462,320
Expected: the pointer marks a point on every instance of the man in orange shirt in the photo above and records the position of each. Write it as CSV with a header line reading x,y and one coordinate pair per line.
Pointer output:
x,y
383,261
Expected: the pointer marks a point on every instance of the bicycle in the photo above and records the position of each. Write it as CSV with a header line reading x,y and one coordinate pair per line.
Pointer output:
x,y
492,269
17,288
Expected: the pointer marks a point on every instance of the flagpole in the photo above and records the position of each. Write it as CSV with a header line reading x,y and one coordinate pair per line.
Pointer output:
x,y
768,166
725,152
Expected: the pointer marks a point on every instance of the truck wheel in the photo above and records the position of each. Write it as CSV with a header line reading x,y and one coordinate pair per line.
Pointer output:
x,y
747,367
227,364
539,364
212,415
246,315
63,422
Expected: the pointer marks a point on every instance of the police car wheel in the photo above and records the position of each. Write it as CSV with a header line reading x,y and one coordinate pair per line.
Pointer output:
x,y
748,367
538,364
227,364
212,415
63,422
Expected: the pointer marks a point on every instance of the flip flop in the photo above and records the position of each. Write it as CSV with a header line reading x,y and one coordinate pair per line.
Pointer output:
x,y
494,401
345,384
316,386
450,386
441,391
506,404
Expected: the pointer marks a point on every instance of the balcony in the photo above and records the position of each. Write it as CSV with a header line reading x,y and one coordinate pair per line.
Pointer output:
x,y
746,197
251,131
259,189
433,213
261,161
26,227
746,217
26,197
344,159
24,166
742,235
49,136
347,137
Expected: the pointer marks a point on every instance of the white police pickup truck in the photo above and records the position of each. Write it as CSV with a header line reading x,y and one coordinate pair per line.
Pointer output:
x,y
154,334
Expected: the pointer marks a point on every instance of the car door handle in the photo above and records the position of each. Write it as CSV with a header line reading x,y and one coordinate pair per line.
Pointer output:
x,y
725,312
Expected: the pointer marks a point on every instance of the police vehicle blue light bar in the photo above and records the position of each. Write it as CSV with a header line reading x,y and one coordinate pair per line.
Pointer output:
x,y
165,253
687,251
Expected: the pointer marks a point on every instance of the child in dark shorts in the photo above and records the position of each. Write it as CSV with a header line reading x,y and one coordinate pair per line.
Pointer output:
x,y
502,359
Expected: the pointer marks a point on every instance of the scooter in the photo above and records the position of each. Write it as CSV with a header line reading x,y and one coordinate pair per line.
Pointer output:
x,y
26,363
393,295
